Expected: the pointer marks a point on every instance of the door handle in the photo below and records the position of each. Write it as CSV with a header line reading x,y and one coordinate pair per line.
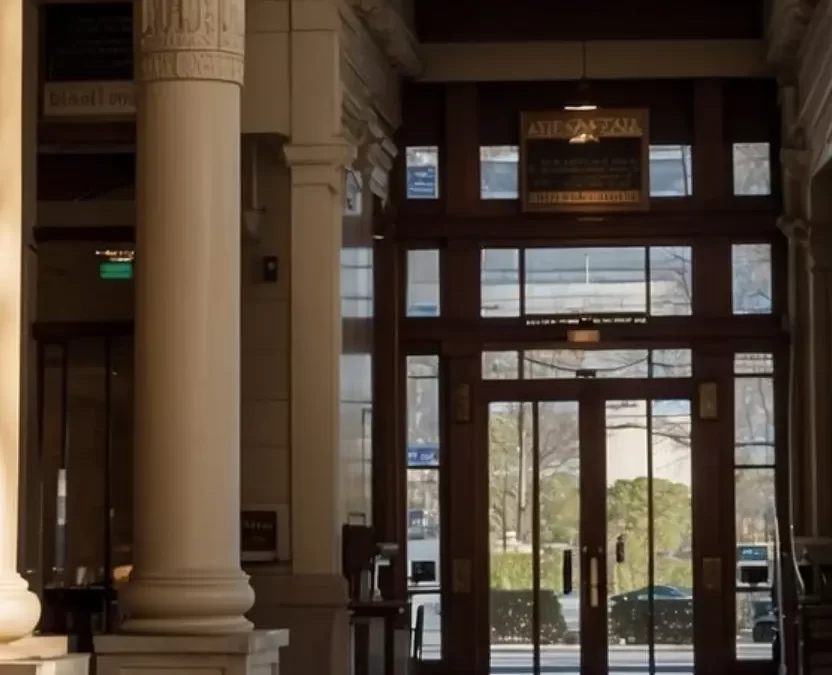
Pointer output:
x,y
593,582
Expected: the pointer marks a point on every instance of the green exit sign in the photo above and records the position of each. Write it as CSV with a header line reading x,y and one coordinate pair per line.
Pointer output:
x,y
116,269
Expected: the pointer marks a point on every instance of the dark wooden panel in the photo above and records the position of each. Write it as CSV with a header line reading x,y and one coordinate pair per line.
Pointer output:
x,y
499,20
670,103
510,225
77,176
752,114
423,114
87,133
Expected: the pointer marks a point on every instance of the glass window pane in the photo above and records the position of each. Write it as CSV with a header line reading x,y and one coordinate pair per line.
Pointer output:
x,y
671,363
500,365
754,499
423,283
752,169
422,165
541,364
422,411
423,556
498,172
559,506
500,282
753,364
751,278
754,421
585,280
671,281
356,282
671,173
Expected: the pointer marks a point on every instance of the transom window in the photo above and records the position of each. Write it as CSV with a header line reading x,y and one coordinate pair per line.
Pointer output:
x,y
636,280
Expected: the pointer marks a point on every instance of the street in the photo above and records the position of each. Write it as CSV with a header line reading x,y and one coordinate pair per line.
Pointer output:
x,y
517,659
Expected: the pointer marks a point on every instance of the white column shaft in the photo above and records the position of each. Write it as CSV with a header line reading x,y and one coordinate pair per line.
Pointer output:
x,y
19,608
187,577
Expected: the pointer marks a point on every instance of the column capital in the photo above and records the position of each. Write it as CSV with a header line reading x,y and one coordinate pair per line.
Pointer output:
x,y
319,163
191,40
794,229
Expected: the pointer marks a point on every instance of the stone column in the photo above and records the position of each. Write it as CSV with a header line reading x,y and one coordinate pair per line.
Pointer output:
x,y
19,607
186,578
803,483
820,378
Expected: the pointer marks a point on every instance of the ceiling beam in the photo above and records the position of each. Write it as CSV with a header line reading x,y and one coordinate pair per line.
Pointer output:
x,y
605,60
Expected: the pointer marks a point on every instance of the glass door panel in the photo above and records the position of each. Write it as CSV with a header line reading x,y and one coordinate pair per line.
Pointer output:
x,y
649,535
535,516
558,505
512,560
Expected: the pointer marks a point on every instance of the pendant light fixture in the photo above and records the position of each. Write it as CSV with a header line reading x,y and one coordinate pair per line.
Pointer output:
x,y
582,103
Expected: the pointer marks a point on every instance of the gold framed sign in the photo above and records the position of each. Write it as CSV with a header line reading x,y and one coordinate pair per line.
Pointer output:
x,y
592,161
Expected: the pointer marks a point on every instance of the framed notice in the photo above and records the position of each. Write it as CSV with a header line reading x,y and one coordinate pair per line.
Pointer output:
x,y
585,161
259,535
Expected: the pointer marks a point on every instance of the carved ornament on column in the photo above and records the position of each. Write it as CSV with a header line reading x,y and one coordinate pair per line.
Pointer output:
x,y
375,154
392,32
192,40
794,229
786,27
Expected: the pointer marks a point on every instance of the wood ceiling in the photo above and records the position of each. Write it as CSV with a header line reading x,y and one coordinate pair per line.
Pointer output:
x,y
515,20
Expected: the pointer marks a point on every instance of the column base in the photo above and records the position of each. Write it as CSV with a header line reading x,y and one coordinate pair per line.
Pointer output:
x,y
42,656
256,652
19,609
314,609
187,603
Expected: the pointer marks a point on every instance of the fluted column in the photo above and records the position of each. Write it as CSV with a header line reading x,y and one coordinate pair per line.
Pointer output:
x,y
19,607
187,577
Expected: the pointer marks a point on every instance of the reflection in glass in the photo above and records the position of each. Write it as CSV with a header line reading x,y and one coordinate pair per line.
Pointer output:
x,y
498,172
511,597
500,282
671,363
649,523
753,421
86,428
752,169
423,283
541,364
753,364
754,505
422,166
356,282
571,363
423,519
500,365
559,507
751,278
423,410
671,281
671,173
587,281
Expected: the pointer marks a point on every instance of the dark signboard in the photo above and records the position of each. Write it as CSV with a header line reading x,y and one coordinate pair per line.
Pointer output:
x,y
88,41
585,161
258,536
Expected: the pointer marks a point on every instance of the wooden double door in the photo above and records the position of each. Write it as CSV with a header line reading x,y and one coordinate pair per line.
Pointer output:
x,y
599,516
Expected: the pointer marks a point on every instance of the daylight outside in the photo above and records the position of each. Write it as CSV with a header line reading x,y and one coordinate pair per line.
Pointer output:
x,y
648,453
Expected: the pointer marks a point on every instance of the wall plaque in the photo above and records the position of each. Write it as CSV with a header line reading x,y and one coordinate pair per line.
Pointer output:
x,y
258,536
585,161
88,59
